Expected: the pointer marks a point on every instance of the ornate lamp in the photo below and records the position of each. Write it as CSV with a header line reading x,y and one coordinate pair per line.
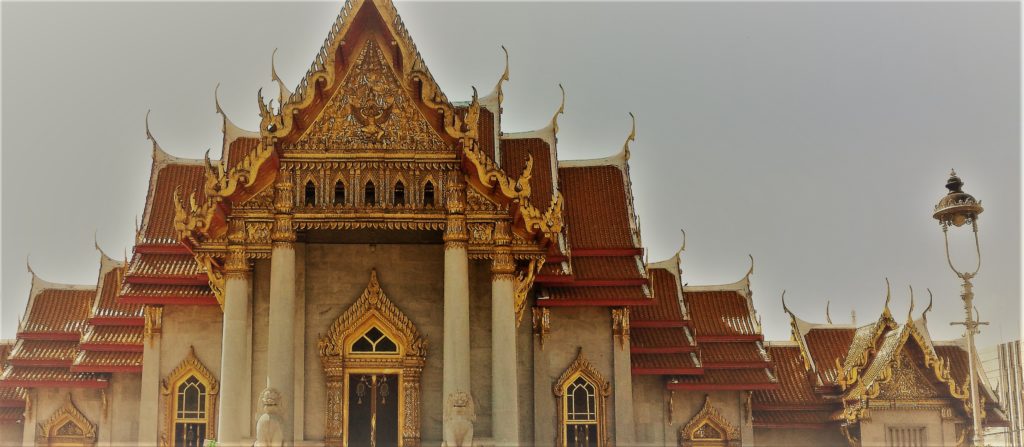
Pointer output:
x,y
956,209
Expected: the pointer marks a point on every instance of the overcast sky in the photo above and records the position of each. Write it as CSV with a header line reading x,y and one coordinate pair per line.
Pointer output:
x,y
816,137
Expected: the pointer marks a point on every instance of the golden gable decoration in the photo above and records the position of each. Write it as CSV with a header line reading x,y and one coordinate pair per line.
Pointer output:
x,y
708,428
67,426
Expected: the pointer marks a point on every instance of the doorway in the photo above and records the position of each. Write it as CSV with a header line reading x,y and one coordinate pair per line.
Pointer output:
x,y
373,410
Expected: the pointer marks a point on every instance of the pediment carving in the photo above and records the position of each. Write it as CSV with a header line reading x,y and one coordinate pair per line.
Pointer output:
x,y
708,428
371,111
67,426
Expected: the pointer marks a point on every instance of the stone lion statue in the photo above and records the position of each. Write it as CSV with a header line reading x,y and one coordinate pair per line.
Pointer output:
x,y
459,416
269,425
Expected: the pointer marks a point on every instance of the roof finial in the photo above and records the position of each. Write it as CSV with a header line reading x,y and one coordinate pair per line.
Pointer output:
x,y
28,265
924,315
157,150
853,317
630,137
561,110
682,248
283,91
888,295
828,316
910,317
216,102
785,308
504,78
751,271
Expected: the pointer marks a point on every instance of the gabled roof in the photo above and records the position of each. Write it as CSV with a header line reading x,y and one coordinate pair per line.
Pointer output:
x,y
56,310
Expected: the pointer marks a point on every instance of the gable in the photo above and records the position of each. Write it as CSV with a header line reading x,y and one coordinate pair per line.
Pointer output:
x,y
907,381
371,111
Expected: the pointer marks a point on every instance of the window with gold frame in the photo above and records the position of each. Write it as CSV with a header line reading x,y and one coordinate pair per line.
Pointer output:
x,y
189,396
582,401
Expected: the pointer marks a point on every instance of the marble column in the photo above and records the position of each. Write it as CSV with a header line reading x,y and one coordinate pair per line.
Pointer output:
x,y
149,398
233,420
281,333
504,367
456,296
625,431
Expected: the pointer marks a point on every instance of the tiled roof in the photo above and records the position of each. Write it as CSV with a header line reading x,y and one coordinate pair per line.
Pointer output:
x,y
152,265
728,377
159,220
486,132
513,159
36,376
596,207
157,292
107,361
124,336
669,337
664,363
719,313
863,339
10,415
607,267
596,293
10,397
792,418
52,353
240,148
107,304
59,310
826,345
666,306
731,352
795,385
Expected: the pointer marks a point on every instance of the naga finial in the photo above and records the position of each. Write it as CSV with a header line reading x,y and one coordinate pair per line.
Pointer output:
x,y
561,110
682,248
785,308
911,310
282,90
216,102
28,264
504,78
751,270
888,295
924,315
828,316
630,137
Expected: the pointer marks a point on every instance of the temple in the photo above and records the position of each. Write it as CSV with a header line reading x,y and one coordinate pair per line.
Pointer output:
x,y
378,265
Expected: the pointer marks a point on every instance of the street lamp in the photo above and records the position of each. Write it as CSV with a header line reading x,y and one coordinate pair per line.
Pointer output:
x,y
958,208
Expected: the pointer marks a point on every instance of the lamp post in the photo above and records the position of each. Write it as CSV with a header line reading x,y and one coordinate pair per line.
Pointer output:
x,y
958,208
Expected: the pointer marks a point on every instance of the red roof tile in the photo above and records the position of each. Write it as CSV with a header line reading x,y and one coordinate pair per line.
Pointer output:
x,y
792,418
59,310
162,266
796,387
107,361
596,207
658,338
239,149
826,344
664,364
486,132
107,304
162,293
726,377
18,376
731,353
594,294
10,415
159,220
666,305
38,352
112,337
607,268
719,313
12,397
514,152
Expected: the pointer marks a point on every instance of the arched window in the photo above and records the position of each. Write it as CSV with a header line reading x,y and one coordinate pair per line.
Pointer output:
x,y
374,341
582,395
339,193
369,195
428,194
310,194
399,193
190,413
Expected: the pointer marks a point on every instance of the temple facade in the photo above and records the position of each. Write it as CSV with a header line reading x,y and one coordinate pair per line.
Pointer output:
x,y
378,265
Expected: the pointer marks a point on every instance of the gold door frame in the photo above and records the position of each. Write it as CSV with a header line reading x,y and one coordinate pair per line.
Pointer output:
x,y
373,309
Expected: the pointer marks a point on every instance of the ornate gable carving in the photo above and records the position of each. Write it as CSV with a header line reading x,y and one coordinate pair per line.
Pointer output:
x,y
907,382
370,111
373,303
708,428
67,426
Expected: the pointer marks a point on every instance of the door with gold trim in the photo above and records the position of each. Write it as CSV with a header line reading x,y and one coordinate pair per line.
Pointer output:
x,y
373,410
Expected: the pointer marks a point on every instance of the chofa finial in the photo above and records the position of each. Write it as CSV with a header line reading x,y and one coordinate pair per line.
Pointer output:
x,y
630,137
828,316
751,271
682,247
28,264
560,111
216,101
888,295
283,92
911,310
924,315
785,308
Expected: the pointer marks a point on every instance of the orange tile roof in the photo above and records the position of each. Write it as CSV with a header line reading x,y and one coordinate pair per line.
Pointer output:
x,y
792,418
240,148
59,310
719,313
164,266
52,353
609,293
107,304
107,361
11,415
666,305
12,397
607,267
796,386
826,345
596,207
655,338
513,159
486,132
113,336
157,292
664,363
731,352
40,376
727,377
159,215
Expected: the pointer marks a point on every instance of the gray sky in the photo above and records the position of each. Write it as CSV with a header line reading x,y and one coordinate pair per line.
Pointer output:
x,y
817,137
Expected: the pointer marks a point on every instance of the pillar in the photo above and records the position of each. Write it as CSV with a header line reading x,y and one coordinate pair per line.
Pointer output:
x,y
504,366
233,420
149,399
28,426
625,431
281,333
456,295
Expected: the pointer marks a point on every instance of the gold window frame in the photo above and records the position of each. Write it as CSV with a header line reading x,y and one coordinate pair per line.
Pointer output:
x,y
581,367
189,367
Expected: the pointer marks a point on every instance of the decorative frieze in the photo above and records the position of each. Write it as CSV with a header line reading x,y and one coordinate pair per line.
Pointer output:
x,y
620,325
